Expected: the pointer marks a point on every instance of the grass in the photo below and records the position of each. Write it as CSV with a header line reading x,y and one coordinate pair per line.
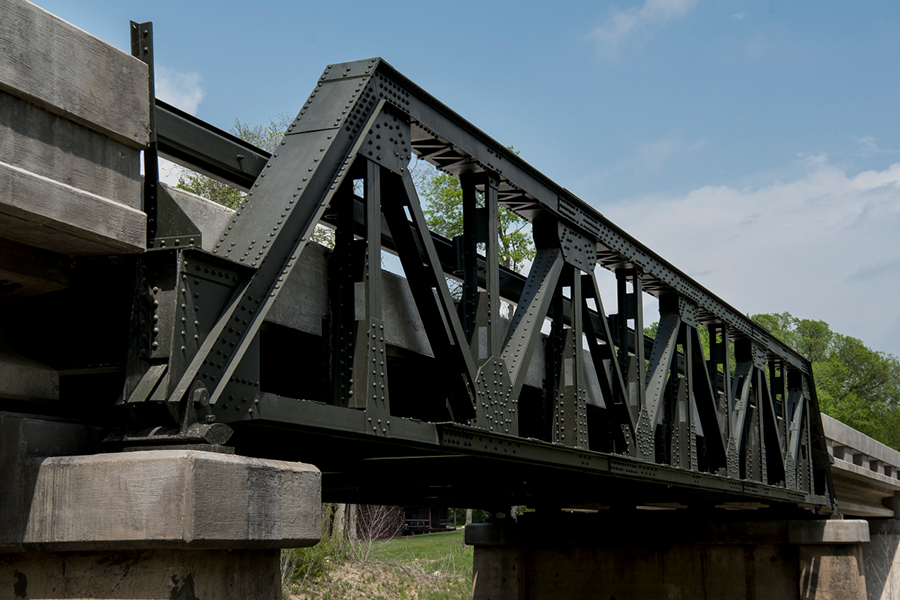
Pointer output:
x,y
434,566
431,546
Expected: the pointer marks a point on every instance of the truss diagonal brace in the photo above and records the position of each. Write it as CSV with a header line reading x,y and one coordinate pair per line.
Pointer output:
x,y
657,374
566,386
774,453
737,406
525,328
303,177
429,288
614,391
793,442
717,453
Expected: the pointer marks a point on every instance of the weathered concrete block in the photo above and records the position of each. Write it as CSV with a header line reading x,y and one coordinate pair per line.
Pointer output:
x,y
210,218
170,499
659,556
156,575
493,534
832,573
761,572
24,438
54,147
881,558
42,212
499,573
56,66
636,570
831,531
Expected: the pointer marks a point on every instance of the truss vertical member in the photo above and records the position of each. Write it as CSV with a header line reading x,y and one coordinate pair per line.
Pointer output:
x,y
664,413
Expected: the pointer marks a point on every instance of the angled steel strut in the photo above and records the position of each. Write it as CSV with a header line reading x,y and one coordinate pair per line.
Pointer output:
x,y
606,400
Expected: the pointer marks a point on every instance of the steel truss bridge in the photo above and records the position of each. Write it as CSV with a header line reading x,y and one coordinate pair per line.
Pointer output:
x,y
488,411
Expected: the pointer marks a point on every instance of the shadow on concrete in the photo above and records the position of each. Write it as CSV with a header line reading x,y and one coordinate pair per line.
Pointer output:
x,y
879,556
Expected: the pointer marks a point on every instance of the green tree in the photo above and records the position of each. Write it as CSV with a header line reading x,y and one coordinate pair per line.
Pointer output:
x,y
651,330
812,339
861,387
854,384
266,137
443,213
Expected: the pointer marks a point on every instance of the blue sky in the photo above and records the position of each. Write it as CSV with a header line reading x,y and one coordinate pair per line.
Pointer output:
x,y
756,145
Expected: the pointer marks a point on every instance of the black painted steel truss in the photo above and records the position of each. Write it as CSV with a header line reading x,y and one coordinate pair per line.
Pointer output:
x,y
614,409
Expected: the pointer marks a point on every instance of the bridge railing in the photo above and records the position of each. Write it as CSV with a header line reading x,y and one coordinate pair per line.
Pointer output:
x,y
866,472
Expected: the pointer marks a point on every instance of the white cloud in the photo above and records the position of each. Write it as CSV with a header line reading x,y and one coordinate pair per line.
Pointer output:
x,y
623,24
652,156
823,246
182,90
869,146
737,16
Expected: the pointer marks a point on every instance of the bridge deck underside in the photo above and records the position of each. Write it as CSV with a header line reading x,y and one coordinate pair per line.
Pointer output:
x,y
466,467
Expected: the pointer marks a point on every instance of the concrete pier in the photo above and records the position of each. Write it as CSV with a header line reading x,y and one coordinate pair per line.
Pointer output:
x,y
149,524
75,522
650,555
164,574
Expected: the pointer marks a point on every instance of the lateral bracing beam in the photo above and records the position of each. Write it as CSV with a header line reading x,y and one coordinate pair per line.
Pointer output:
x,y
363,121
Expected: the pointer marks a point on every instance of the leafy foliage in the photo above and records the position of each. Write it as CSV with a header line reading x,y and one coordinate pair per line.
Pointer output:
x,y
265,137
855,384
434,566
299,564
478,515
651,330
443,210
809,338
